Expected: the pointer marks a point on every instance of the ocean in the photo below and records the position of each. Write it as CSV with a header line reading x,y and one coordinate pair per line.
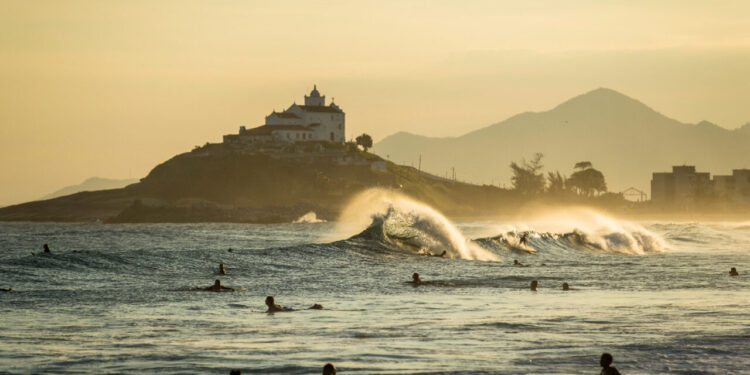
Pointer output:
x,y
122,298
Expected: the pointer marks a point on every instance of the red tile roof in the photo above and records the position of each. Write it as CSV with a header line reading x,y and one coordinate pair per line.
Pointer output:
x,y
319,108
268,129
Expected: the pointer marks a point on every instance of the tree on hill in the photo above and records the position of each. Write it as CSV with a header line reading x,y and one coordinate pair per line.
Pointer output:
x,y
365,141
527,178
583,165
587,180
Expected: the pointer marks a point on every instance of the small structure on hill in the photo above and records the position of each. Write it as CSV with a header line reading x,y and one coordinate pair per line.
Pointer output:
x,y
314,121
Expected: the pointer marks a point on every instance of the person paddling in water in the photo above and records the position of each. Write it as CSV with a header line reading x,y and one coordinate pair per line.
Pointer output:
x,y
222,270
217,287
534,285
606,363
46,248
733,272
273,307
415,279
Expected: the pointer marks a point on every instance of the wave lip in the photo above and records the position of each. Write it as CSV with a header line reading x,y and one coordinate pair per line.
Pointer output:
x,y
410,225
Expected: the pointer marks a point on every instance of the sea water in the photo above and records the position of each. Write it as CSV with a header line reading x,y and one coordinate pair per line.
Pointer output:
x,y
121,299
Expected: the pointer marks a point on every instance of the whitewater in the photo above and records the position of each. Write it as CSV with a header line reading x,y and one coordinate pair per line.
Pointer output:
x,y
118,299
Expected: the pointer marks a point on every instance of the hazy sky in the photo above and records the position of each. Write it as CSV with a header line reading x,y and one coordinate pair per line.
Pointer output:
x,y
112,88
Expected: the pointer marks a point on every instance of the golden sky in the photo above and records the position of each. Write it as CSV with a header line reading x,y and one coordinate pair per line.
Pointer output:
x,y
112,88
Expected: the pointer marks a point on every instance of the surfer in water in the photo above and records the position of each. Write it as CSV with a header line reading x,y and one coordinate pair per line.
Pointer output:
x,y
606,363
733,272
329,369
273,307
217,287
415,279
534,284
222,270
441,255
524,241
6,290
46,248
517,263
566,287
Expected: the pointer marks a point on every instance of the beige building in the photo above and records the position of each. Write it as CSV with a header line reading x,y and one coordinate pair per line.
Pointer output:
x,y
313,121
685,186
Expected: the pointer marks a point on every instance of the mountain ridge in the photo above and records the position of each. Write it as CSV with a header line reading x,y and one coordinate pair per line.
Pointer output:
x,y
624,137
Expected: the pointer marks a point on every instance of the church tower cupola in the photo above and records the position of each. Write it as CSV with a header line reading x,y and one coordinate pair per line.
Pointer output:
x,y
315,99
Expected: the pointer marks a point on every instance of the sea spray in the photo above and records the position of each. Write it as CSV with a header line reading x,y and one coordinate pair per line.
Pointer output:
x,y
588,228
407,223
310,217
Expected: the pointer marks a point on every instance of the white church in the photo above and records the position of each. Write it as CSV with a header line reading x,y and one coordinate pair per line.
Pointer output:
x,y
314,121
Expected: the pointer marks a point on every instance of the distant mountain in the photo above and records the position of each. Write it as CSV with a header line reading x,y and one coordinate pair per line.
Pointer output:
x,y
91,184
621,136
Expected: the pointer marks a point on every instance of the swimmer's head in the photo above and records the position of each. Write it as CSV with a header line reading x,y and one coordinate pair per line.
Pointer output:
x,y
733,270
329,369
415,276
534,284
269,301
606,360
235,372
217,283
565,286
515,261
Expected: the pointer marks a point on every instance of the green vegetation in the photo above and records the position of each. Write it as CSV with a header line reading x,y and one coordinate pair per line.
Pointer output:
x,y
365,141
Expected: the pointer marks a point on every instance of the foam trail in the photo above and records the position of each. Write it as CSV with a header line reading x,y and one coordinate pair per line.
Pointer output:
x,y
409,224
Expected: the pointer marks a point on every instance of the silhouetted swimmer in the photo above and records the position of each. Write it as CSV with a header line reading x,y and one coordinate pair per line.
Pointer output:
x,y
316,307
6,290
329,369
235,372
46,248
222,270
415,279
566,287
442,255
217,287
524,239
517,263
534,284
606,363
230,250
733,272
273,307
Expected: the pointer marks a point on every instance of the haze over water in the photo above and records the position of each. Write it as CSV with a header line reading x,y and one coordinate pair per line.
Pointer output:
x,y
116,298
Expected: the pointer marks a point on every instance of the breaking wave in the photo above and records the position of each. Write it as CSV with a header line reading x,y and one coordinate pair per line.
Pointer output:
x,y
396,220
310,217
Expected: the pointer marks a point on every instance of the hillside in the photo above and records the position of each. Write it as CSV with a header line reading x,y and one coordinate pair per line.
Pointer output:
x,y
225,186
621,136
